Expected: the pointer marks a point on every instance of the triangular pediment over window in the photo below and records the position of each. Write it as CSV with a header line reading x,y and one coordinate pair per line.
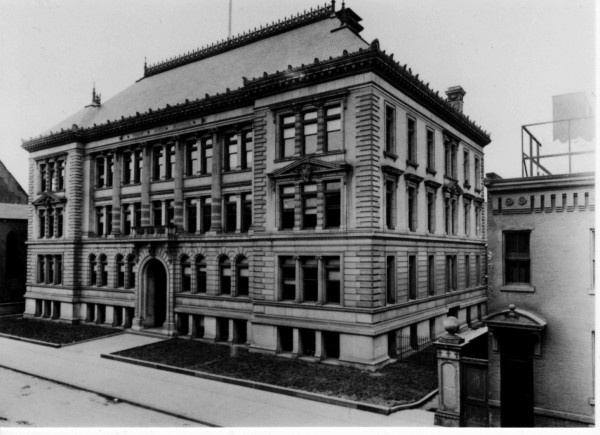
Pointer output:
x,y
452,188
305,169
48,199
513,318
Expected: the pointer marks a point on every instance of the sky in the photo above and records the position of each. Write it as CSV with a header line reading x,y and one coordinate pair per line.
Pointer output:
x,y
510,56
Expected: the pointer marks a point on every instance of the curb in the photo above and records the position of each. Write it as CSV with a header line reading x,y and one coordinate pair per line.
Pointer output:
x,y
31,340
361,406
110,397
91,339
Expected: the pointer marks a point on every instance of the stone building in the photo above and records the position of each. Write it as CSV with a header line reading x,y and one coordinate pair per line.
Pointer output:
x,y
541,240
294,189
13,234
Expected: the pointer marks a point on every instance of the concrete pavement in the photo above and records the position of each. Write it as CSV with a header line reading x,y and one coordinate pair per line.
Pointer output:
x,y
205,401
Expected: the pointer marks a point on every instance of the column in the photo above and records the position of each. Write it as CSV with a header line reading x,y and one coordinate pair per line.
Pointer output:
x,y
105,217
116,194
299,286
198,214
297,206
106,172
321,281
231,338
217,206
320,205
320,127
319,345
238,214
192,325
178,183
296,341
146,164
163,212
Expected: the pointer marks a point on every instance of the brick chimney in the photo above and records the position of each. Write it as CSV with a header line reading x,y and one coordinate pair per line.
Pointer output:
x,y
455,97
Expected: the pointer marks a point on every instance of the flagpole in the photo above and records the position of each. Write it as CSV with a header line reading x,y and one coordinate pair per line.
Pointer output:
x,y
229,33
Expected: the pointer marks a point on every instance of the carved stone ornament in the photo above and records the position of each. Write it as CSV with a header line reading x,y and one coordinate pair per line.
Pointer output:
x,y
306,172
522,200
509,201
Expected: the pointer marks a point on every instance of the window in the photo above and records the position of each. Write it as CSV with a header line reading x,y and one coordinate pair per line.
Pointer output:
x,y
108,219
158,163
412,277
42,224
390,189
287,207
450,157
390,279
49,270
206,155
478,220
310,278
103,271
331,344
170,205
60,181
100,174
157,213
288,278
186,274
41,269
467,271
192,160
50,214
390,129
99,221
516,257
231,151
246,212
288,136
93,268
242,272
191,214
333,121
138,166
286,339
201,275
450,215
109,171
309,206
466,168
206,207
430,211
120,271
411,140
59,222
130,271
477,173
128,161
431,275
52,176
309,135
430,150
137,212
333,199
225,275
593,258
230,213
477,270
467,220
332,280
413,337
247,149
451,278
43,177
308,342
412,207
58,269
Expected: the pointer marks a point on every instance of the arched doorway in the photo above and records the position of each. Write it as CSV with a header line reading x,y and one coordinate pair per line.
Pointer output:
x,y
156,294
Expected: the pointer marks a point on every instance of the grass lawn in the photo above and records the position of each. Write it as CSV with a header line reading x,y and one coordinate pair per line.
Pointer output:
x,y
51,332
395,384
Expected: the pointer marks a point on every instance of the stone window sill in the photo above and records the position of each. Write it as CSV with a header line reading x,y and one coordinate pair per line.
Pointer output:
x,y
592,401
412,163
392,156
523,288
431,171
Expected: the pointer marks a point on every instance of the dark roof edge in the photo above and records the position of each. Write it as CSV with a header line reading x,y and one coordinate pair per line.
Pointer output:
x,y
370,59
281,26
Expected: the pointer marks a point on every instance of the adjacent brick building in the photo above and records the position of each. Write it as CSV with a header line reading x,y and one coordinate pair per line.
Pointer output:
x,y
294,189
13,235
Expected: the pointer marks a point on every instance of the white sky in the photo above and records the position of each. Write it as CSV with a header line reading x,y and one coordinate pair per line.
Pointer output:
x,y
511,56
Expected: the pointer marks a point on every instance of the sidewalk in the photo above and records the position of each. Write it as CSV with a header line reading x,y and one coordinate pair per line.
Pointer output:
x,y
202,400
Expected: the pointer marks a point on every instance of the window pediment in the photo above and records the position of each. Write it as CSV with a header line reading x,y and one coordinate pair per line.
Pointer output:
x,y
48,199
513,318
452,188
306,169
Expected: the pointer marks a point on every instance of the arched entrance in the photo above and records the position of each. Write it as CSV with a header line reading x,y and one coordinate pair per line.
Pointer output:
x,y
156,295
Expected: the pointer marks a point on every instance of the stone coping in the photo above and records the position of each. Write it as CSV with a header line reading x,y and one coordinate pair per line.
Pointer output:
x,y
55,345
378,409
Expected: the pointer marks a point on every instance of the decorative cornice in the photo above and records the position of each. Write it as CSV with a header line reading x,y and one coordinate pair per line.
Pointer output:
x,y
281,26
413,178
390,170
432,184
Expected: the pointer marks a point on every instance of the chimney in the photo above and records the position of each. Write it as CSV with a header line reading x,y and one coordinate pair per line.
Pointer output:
x,y
455,97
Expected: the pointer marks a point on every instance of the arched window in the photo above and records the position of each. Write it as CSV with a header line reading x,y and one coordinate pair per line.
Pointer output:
x,y
103,271
120,271
130,272
242,276
93,266
201,275
225,275
186,274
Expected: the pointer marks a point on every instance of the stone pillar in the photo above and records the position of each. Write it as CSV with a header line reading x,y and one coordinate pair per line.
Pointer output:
x,y
448,357
210,328
147,165
105,218
297,206
296,342
198,214
116,194
217,206
178,183
319,345
320,281
299,286
163,213
238,214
